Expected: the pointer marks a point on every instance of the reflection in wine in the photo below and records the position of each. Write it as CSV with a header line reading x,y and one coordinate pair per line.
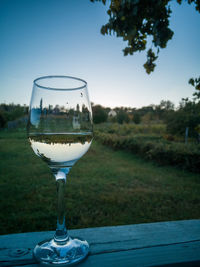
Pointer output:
x,y
60,149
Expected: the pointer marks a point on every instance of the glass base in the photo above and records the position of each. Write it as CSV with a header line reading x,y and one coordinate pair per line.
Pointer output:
x,y
49,252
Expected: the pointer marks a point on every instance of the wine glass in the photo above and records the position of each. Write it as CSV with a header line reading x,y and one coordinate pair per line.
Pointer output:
x,y
60,132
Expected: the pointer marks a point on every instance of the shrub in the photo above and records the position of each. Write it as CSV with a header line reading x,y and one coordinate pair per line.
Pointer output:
x,y
122,117
186,116
99,114
2,120
136,118
155,148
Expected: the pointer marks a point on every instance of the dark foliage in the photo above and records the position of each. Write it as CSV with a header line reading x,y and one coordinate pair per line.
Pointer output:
x,y
136,20
11,112
195,82
136,118
188,115
154,148
99,114
122,117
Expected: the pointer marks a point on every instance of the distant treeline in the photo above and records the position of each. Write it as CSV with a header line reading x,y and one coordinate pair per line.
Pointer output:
x,y
186,117
11,112
122,115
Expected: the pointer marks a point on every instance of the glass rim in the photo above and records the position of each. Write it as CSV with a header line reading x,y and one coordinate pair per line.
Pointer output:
x,y
35,82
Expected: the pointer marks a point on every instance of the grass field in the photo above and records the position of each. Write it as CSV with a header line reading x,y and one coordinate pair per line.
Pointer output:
x,y
105,187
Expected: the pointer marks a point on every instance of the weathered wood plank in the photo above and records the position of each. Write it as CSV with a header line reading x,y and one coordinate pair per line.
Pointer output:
x,y
141,234
152,256
179,254
117,242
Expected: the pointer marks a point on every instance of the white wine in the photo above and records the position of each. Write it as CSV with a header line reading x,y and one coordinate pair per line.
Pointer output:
x,y
60,150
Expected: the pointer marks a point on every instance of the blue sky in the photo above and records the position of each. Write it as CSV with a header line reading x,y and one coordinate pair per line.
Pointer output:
x,y
63,37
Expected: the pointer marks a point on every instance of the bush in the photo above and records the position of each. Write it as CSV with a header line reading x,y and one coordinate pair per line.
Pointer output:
x,y
136,118
2,120
127,129
11,112
99,114
186,116
155,148
122,117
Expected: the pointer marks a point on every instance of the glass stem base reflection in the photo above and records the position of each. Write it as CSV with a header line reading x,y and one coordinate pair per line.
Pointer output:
x,y
49,252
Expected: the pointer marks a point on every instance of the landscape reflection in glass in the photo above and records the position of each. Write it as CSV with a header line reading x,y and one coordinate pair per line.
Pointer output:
x,y
60,149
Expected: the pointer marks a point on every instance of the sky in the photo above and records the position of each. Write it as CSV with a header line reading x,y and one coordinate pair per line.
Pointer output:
x,y
62,37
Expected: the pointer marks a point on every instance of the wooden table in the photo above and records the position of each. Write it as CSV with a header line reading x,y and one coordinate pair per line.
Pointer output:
x,y
174,243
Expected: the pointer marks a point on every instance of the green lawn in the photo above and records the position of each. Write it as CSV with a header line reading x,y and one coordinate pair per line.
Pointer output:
x,y
105,187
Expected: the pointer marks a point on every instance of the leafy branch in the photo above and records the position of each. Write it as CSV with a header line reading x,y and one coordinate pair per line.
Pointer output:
x,y
136,20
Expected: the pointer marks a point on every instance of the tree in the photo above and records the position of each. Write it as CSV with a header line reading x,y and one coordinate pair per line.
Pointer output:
x,y
195,82
136,118
99,114
188,115
2,119
166,105
122,117
11,111
165,108
136,20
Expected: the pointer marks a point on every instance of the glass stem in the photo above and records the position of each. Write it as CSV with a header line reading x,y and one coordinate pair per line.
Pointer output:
x,y
61,235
